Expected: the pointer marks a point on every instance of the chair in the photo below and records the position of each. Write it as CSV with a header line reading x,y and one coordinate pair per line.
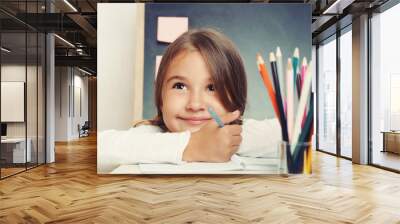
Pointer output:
x,y
84,130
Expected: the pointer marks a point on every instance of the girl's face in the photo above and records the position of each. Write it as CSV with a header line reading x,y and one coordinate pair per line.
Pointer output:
x,y
187,92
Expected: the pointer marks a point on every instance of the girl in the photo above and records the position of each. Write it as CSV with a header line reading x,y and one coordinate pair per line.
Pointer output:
x,y
200,69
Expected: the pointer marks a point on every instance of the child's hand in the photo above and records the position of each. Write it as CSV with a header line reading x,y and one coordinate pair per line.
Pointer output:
x,y
214,144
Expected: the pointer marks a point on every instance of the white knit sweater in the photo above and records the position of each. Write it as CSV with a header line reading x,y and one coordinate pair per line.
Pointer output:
x,y
149,144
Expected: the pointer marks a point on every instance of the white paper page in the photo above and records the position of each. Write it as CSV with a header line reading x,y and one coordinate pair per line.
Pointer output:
x,y
127,169
252,163
237,164
267,161
193,167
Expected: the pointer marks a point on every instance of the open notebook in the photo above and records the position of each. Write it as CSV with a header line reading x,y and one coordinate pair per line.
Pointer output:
x,y
238,164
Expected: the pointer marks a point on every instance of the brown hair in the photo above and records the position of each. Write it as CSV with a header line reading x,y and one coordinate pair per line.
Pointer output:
x,y
223,61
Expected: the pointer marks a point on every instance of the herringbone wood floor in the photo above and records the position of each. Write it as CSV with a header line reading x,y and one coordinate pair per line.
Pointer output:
x,y
70,191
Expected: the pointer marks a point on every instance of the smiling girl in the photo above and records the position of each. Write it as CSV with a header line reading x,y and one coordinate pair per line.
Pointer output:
x,y
200,69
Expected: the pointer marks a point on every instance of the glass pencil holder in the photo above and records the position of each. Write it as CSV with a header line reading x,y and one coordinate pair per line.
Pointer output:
x,y
295,158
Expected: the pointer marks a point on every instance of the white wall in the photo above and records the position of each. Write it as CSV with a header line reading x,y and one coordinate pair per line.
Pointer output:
x,y
80,82
119,64
67,115
61,103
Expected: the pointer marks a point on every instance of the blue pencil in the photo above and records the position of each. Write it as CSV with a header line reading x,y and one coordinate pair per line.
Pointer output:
x,y
215,117
279,101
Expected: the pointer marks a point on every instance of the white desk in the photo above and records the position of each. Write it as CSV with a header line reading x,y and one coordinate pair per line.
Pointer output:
x,y
19,149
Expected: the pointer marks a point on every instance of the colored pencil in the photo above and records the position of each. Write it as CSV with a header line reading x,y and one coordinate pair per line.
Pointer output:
x,y
281,74
215,117
303,74
298,86
279,102
267,83
303,69
289,97
305,92
308,151
305,133
295,60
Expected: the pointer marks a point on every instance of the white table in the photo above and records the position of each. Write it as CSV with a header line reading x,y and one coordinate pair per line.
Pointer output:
x,y
19,153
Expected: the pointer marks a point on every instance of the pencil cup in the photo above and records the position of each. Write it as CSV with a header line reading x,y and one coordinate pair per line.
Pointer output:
x,y
295,159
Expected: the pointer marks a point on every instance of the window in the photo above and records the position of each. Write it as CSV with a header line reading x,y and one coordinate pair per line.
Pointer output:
x,y
346,93
327,96
22,65
385,89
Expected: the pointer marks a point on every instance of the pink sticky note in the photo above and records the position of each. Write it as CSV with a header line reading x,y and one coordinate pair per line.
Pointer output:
x,y
170,28
158,61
